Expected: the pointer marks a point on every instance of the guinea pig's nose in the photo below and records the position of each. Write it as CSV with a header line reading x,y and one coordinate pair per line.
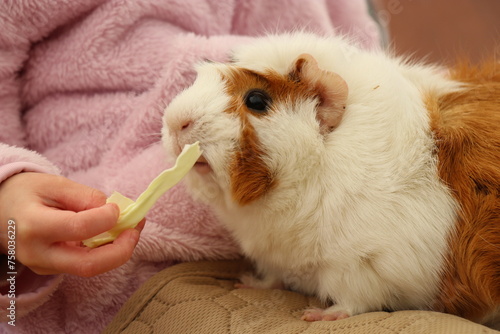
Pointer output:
x,y
186,125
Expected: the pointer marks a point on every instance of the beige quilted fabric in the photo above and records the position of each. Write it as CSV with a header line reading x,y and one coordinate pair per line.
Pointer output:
x,y
199,297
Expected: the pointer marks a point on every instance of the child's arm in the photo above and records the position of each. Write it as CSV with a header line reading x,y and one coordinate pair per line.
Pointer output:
x,y
28,183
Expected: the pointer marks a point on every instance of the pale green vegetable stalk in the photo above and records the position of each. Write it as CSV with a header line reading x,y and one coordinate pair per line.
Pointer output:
x,y
131,213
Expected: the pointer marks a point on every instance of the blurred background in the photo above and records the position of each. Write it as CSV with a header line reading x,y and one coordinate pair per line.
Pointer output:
x,y
441,30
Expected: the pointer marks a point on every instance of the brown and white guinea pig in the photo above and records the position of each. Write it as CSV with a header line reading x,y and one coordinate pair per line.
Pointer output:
x,y
351,175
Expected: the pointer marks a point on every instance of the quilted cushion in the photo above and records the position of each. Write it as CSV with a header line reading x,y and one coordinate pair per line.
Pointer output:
x,y
199,297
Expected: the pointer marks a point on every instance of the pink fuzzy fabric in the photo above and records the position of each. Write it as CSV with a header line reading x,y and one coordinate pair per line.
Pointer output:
x,y
84,83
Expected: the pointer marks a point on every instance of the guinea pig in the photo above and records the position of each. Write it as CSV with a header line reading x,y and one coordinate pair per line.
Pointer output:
x,y
364,179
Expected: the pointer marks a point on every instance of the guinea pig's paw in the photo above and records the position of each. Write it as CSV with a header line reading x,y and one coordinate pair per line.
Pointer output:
x,y
329,314
247,281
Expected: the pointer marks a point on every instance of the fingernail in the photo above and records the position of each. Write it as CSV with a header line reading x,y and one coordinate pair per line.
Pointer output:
x,y
115,207
134,238
140,226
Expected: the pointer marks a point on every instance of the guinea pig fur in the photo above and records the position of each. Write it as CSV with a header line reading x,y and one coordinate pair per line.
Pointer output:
x,y
366,180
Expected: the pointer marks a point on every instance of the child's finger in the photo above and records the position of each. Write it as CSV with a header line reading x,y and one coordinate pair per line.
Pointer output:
x,y
64,225
88,262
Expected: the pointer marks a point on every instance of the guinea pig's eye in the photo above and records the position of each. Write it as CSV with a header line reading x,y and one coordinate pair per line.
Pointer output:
x,y
257,100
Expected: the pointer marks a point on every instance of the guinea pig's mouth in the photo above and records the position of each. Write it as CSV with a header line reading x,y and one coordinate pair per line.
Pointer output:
x,y
202,166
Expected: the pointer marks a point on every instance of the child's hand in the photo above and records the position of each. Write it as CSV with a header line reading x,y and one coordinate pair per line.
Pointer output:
x,y
52,215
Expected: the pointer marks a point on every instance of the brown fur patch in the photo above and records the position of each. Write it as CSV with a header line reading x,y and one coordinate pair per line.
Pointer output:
x,y
466,126
279,87
250,176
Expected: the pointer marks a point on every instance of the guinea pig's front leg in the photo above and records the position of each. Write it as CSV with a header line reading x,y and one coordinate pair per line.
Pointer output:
x,y
335,312
249,281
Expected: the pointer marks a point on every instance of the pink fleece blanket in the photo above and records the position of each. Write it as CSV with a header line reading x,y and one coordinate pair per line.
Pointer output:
x,y
84,84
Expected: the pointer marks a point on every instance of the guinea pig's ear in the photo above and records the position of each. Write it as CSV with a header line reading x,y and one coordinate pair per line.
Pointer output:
x,y
331,89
